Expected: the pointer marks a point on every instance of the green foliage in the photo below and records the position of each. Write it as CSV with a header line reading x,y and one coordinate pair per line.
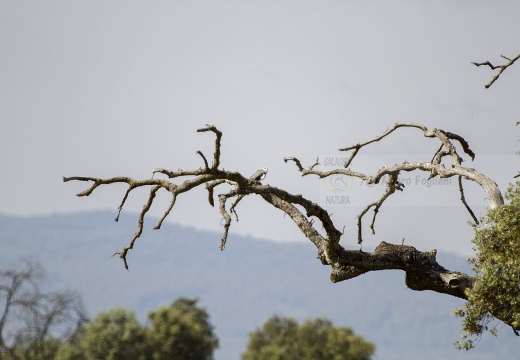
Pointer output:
x,y
284,339
497,266
113,335
42,350
181,330
69,352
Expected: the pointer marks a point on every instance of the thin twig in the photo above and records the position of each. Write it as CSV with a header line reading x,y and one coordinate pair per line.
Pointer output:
x,y
463,199
206,166
234,204
392,185
167,212
218,133
140,224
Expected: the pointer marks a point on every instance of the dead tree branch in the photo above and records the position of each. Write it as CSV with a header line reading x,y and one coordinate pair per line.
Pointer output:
x,y
421,268
500,68
434,167
212,177
392,185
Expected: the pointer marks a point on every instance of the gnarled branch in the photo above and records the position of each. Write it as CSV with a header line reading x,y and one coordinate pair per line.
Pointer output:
x,y
212,177
421,268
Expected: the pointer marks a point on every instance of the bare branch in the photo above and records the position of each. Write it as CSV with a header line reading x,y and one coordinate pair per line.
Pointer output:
x,y
130,188
212,177
166,213
210,187
235,203
299,165
383,135
225,215
434,167
463,143
305,225
206,166
494,67
315,164
218,133
392,185
351,157
140,224
437,157
463,199
296,161
323,174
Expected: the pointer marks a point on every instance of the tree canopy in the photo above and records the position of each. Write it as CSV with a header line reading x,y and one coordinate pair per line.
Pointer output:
x,y
114,334
181,329
283,338
497,267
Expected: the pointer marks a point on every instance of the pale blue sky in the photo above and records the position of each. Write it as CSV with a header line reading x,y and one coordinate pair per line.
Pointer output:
x,y
118,88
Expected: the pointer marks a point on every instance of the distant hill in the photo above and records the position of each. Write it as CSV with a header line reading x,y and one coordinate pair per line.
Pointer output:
x,y
240,287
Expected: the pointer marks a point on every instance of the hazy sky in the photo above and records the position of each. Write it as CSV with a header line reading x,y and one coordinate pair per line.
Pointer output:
x,y
99,88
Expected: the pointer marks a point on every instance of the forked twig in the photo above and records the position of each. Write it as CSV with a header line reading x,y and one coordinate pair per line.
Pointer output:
x,y
494,67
